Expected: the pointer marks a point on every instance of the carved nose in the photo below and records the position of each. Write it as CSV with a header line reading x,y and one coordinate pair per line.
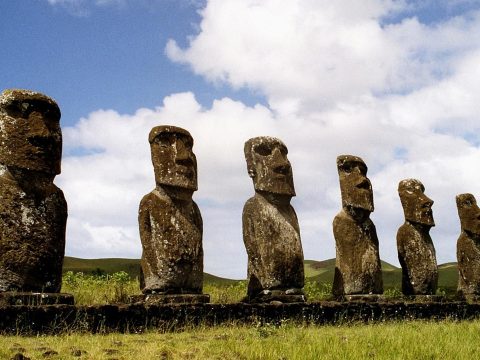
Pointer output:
x,y
38,126
356,170
278,157
281,164
364,184
182,153
426,201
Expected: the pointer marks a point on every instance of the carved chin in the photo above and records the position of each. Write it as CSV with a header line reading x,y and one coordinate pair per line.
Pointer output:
x,y
40,164
276,186
472,228
359,202
427,221
421,218
177,181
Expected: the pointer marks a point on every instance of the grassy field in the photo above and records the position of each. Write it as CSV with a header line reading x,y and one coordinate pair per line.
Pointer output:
x,y
115,288
318,275
107,282
406,340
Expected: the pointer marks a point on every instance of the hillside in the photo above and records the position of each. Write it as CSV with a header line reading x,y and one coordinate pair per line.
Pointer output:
x,y
320,271
113,265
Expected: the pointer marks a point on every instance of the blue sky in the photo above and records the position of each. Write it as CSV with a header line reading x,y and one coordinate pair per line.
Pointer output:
x,y
111,56
395,82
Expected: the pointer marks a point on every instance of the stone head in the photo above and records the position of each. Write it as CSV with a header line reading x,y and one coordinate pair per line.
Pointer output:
x,y
417,206
268,165
355,187
30,134
174,162
469,213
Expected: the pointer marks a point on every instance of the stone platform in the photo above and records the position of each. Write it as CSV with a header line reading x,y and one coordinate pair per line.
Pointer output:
x,y
34,299
424,298
158,299
276,297
136,318
363,298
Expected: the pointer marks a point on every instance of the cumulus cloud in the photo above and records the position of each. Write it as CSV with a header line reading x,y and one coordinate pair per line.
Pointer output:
x,y
339,79
310,54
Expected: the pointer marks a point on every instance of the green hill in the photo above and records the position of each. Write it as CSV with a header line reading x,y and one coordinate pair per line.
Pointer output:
x,y
320,271
113,265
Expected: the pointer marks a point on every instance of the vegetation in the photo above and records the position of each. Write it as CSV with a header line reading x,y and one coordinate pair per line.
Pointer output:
x,y
99,289
101,284
102,281
116,288
406,340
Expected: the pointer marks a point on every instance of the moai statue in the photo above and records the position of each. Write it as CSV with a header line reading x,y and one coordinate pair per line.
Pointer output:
x,y
416,252
33,211
357,269
170,222
468,248
270,227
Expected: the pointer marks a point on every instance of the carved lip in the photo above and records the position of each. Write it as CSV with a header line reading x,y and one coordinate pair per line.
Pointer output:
x,y
44,144
184,170
427,213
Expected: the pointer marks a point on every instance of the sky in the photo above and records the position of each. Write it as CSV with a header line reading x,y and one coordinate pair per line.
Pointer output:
x,y
396,82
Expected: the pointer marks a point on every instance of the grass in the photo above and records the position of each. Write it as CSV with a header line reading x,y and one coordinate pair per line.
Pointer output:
x,y
116,288
107,281
389,340
315,271
405,340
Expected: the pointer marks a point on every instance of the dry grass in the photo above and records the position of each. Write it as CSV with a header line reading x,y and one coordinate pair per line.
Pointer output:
x,y
406,340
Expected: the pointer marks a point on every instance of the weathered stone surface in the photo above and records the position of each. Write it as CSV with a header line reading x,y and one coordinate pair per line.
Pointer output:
x,y
34,299
169,220
363,298
157,299
424,298
137,318
468,247
33,211
270,227
278,297
416,252
357,268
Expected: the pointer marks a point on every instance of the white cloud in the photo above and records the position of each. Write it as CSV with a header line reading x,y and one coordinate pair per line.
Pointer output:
x,y
404,96
311,54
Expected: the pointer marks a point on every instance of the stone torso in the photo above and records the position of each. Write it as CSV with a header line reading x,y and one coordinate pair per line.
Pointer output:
x,y
468,258
358,268
32,238
171,235
272,238
416,254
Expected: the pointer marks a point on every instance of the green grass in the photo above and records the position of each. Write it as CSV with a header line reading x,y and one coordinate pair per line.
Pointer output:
x,y
111,266
116,288
407,340
228,290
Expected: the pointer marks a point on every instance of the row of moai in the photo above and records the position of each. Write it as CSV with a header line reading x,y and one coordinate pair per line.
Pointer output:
x,y
33,214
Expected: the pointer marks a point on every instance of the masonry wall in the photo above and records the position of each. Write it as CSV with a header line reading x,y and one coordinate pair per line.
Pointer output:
x,y
28,320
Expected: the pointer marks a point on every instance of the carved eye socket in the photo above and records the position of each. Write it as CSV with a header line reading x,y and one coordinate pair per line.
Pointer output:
x,y
347,167
15,110
164,140
263,150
